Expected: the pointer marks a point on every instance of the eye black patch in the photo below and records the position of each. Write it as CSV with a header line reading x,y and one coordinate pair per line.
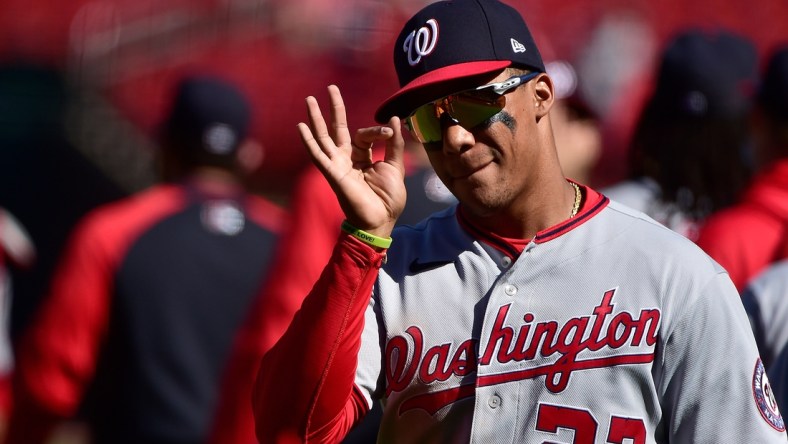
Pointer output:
x,y
502,117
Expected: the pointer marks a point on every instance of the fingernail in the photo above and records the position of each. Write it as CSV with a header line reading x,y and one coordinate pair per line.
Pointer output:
x,y
386,130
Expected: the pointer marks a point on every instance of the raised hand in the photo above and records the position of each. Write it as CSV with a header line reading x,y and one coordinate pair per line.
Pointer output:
x,y
371,194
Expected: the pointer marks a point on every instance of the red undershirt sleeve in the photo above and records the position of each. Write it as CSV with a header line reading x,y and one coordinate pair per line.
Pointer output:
x,y
305,385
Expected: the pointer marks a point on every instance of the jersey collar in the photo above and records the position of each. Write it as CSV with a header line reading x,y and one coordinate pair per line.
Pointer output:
x,y
593,203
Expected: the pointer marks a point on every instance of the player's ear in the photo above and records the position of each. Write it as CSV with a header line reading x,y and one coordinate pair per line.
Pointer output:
x,y
544,94
250,156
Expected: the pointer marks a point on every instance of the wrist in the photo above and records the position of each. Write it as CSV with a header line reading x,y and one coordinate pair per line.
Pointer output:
x,y
366,237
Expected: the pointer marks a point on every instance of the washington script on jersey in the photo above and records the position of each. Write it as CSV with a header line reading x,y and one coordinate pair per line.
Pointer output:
x,y
575,343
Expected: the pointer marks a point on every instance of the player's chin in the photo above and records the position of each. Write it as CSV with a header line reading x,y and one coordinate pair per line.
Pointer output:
x,y
480,194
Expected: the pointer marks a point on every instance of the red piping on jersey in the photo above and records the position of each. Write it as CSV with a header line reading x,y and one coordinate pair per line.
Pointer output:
x,y
589,210
593,203
505,246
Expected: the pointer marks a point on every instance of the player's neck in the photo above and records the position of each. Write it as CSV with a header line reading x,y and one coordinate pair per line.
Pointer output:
x,y
214,181
531,212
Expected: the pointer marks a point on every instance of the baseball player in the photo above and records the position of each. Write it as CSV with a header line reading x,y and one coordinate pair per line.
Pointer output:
x,y
534,311
150,294
686,156
727,235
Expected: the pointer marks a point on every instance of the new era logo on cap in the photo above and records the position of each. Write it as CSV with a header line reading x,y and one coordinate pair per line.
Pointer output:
x,y
517,46
449,41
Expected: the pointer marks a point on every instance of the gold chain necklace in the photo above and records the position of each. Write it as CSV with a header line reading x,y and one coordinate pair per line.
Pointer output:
x,y
578,196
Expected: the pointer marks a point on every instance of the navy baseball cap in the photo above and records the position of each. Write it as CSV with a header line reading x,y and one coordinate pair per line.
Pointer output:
x,y
706,74
449,43
773,90
208,114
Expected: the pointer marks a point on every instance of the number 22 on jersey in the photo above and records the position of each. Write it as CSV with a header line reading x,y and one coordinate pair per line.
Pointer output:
x,y
551,418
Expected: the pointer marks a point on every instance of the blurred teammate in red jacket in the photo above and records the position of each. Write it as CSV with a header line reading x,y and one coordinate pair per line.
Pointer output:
x,y
749,236
151,291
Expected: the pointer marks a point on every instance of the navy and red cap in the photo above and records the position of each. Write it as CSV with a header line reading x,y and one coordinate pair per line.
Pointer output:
x,y
448,44
706,74
209,114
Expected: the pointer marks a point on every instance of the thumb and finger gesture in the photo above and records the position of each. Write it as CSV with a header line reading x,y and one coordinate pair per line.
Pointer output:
x,y
371,194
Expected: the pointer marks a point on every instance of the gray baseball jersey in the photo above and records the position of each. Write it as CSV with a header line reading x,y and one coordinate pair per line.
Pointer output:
x,y
608,328
766,302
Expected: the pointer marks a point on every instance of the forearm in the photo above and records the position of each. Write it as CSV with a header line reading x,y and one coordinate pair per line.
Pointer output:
x,y
313,366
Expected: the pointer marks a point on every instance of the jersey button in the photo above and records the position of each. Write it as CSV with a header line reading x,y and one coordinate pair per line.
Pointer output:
x,y
506,261
510,289
494,402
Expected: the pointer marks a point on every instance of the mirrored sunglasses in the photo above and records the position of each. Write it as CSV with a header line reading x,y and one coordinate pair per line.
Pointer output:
x,y
467,108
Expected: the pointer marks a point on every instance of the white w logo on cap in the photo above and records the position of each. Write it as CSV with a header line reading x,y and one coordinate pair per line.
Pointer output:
x,y
517,46
421,42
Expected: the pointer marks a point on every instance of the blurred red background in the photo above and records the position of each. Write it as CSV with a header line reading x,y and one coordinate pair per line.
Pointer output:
x,y
122,56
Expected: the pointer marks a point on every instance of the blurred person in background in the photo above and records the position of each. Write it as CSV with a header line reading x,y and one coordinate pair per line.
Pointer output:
x,y
688,154
313,229
765,299
751,235
576,127
16,251
151,290
751,238
46,181
616,64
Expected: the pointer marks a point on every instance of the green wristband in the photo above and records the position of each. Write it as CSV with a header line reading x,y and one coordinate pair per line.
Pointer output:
x,y
365,237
